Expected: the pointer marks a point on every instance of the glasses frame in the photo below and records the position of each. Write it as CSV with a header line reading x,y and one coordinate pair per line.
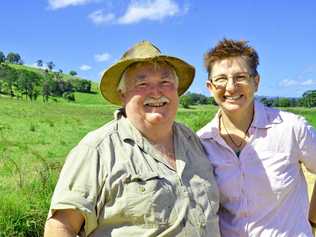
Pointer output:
x,y
237,82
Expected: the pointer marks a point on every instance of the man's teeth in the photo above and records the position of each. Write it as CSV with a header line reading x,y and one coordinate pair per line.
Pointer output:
x,y
155,104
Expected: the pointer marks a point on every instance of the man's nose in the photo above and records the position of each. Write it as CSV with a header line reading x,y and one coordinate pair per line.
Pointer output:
x,y
155,89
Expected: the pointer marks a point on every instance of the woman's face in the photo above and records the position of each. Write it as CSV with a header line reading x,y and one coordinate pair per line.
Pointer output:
x,y
232,85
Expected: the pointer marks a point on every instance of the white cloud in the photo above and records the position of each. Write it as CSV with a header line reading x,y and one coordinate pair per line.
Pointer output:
x,y
57,4
139,10
85,67
308,82
101,17
102,57
149,10
287,83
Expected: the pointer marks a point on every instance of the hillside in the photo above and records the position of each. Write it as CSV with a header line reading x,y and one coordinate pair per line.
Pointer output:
x,y
41,71
26,82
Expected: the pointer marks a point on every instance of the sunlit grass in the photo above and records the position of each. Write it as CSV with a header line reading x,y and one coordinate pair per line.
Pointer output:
x,y
34,141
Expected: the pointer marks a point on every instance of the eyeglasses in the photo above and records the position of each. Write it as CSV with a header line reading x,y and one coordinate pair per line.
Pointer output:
x,y
238,79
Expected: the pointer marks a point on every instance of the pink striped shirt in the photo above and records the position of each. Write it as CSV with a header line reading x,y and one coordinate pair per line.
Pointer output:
x,y
264,192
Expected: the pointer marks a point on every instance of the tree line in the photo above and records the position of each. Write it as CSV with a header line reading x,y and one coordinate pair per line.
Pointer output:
x,y
23,83
308,100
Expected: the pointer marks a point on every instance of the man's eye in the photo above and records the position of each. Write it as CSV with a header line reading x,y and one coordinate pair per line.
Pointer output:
x,y
166,82
142,84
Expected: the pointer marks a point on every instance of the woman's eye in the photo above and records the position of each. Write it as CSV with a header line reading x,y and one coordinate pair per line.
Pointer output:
x,y
220,79
241,78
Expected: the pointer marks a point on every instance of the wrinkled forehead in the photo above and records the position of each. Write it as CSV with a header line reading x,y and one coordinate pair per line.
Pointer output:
x,y
145,68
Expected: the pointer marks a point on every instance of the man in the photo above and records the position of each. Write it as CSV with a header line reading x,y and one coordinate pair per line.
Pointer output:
x,y
142,174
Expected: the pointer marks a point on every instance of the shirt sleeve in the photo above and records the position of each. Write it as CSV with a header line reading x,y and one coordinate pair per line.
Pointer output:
x,y
306,136
79,184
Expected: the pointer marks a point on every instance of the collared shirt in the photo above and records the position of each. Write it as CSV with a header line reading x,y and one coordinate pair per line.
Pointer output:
x,y
124,187
263,193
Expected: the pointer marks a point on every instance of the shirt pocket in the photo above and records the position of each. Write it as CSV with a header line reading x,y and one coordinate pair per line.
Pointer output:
x,y
149,199
205,193
277,172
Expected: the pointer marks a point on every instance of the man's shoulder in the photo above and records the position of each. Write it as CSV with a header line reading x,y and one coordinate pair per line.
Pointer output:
x,y
96,137
188,134
184,130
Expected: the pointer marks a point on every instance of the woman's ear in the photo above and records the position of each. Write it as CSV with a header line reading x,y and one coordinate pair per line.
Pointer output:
x,y
257,81
209,86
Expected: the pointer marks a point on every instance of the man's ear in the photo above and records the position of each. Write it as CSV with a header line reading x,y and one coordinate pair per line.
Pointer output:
x,y
122,95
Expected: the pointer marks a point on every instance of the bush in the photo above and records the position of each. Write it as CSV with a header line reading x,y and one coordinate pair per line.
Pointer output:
x,y
186,101
70,96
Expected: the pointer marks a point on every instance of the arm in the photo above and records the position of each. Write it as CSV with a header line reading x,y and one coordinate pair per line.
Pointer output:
x,y
64,223
312,209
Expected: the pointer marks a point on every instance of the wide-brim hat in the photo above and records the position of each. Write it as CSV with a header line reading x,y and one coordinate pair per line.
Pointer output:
x,y
142,52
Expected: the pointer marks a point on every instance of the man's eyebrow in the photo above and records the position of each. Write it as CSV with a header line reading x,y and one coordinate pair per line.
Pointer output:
x,y
141,77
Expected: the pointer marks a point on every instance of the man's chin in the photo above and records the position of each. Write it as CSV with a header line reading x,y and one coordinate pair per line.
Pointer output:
x,y
155,117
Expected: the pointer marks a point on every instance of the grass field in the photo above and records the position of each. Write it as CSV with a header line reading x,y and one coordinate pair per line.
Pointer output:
x,y
34,141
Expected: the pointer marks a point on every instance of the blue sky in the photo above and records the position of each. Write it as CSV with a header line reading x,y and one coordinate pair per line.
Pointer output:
x,y
89,35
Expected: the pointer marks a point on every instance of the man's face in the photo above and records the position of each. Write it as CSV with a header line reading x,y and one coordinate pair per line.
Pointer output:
x,y
238,92
151,96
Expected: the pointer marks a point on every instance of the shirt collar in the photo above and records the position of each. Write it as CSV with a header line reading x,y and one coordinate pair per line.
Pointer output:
x,y
126,130
262,119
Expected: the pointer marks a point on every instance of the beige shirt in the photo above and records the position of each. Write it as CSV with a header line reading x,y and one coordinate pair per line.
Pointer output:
x,y
123,187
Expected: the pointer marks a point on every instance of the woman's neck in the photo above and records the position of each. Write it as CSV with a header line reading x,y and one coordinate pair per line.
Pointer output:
x,y
238,120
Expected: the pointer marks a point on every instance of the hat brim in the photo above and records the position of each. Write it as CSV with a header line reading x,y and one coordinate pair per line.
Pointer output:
x,y
111,77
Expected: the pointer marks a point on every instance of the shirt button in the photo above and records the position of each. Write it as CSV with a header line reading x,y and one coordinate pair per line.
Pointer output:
x,y
202,225
183,222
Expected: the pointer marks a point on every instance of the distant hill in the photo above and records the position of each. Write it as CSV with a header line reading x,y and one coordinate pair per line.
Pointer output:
x,y
29,82
42,71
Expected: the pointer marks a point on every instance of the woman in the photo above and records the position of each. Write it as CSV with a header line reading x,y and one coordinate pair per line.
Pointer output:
x,y
256,151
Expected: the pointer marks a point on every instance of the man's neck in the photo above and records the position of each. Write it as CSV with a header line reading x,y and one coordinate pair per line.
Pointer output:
x,y
161,137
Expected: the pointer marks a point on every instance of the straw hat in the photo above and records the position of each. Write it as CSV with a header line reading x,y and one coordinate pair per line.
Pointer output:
x,y
141,52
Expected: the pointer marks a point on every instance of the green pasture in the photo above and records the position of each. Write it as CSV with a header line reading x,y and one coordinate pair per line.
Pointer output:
x,y
34,141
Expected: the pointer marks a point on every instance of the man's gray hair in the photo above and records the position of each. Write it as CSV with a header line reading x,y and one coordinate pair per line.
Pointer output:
x,y
122,84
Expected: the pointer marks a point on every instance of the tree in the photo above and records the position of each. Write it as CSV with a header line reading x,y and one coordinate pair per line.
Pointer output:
x,y
14,58
73,73
81,85
7,76
27,83
39,63
50,65
266,101
2,57
45,91
309,98
186,101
